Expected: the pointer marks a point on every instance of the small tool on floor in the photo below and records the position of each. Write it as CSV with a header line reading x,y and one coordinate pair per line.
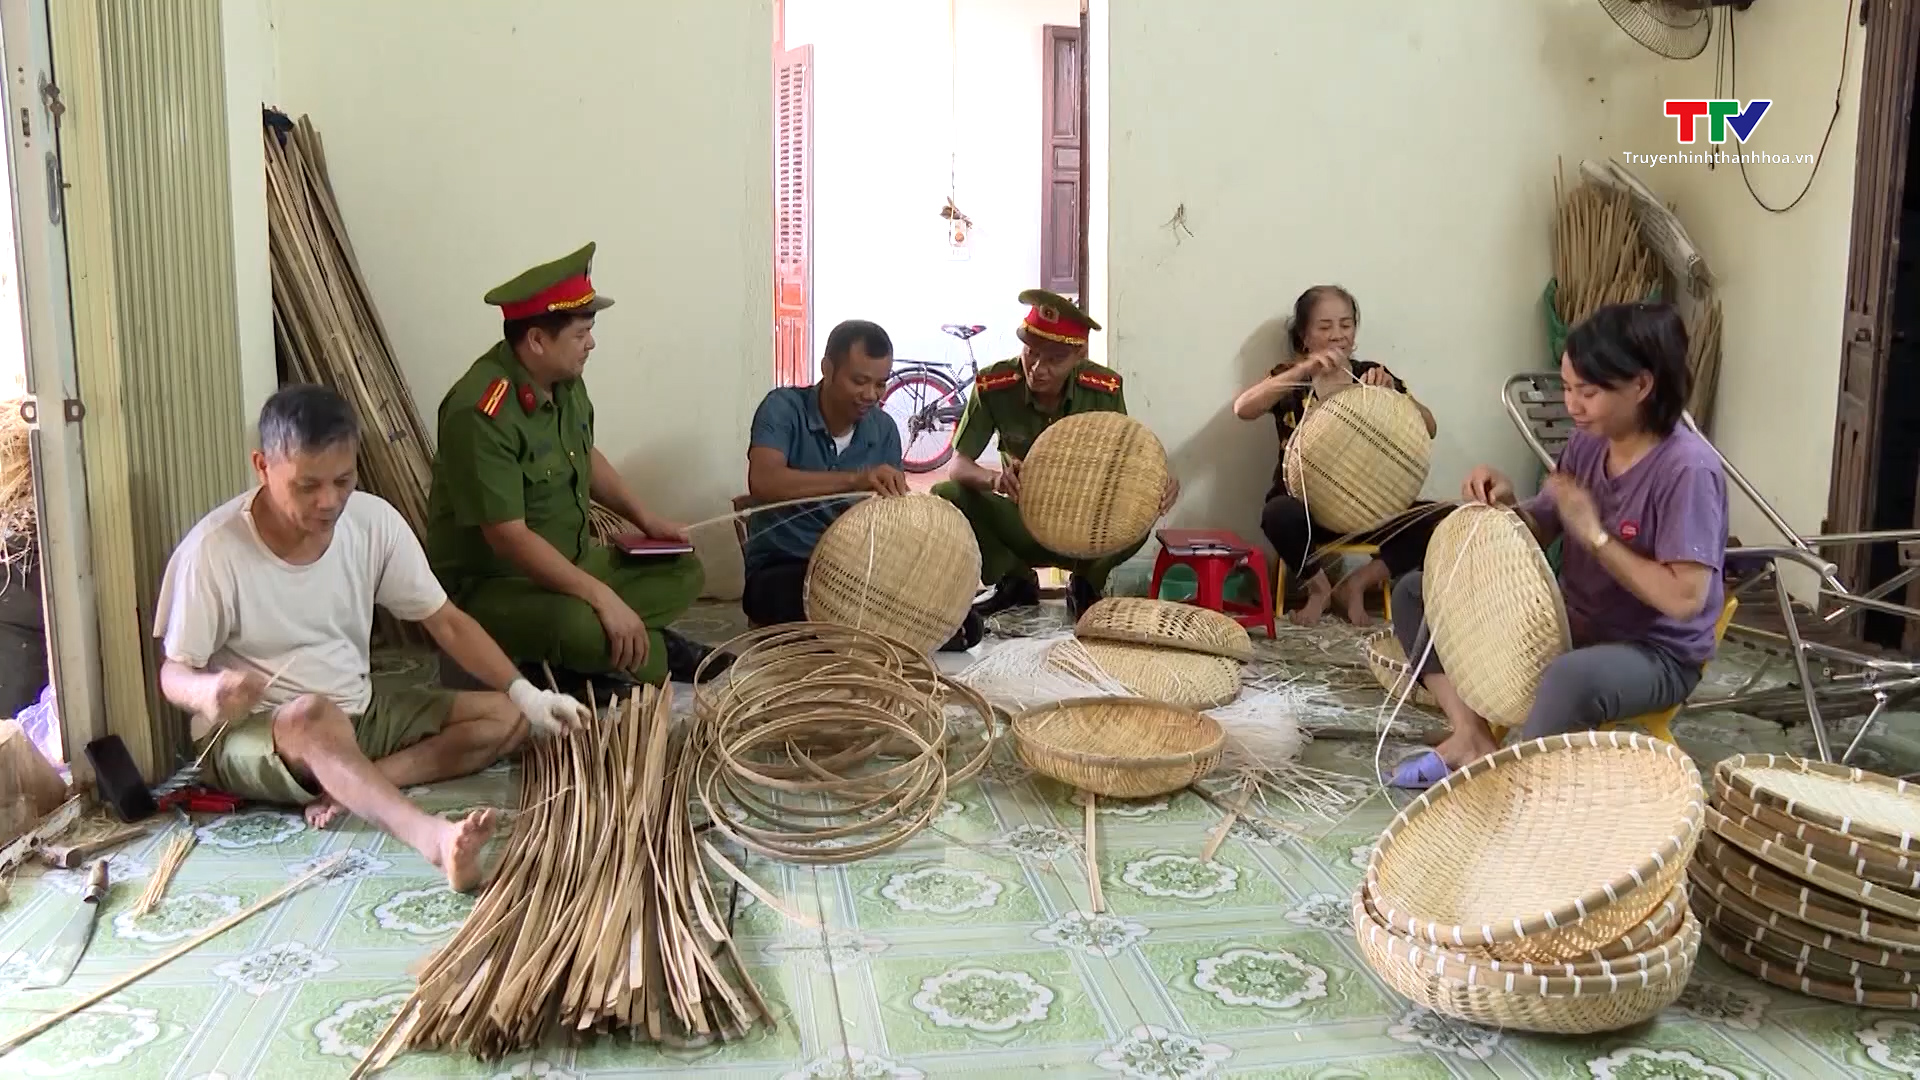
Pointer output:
x,y
56,962
200,800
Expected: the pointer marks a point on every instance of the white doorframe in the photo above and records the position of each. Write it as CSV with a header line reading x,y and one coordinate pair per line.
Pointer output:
x,y
53,383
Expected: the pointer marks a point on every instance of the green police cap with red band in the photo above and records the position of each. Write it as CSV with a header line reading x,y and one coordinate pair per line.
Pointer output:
x,y
559,287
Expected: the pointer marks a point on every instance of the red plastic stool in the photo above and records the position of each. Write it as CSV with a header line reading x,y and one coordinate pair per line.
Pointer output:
x,y
1213,555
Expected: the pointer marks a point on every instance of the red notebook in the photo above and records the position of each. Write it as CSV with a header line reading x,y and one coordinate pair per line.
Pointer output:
x,y
641,545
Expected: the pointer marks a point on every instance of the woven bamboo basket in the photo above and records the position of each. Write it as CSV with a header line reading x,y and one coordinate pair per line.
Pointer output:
x,y
1122,748
1188,679
1358,458
1388,662
1874,862
1723,901
1494,610
1762,943
1855,803
1790,896
1850,993
1797,863
1506,1000
1624,963
1166,624
1092,483
906,568
1503,854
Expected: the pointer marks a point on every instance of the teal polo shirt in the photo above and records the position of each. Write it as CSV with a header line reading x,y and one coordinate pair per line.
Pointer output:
x,y
789,420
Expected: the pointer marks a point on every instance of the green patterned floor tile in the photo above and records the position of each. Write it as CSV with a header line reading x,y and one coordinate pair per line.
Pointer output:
x,y
1258,982
1143,880
1665,1049
961,889
1069,809
1861,1042
1412,1066
389,912
771,1048
136,1035
1025,1000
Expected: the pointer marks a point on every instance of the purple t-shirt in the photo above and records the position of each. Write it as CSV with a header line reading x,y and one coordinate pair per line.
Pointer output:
x,y
1671,506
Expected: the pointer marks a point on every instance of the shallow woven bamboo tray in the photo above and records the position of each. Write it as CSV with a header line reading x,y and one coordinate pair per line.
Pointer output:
x,y
1863,858
1504,854
1762,943
1801,866
1785,976
1550,980
1791,896
1851,802
1092,483
905,567
1123,748
1738,895
1188,679
1165,624
1494,610
1388,662
1491,1003
1358,458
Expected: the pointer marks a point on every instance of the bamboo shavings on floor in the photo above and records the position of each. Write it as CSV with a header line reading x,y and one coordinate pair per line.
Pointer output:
x,y
601,916
1598,256
176,853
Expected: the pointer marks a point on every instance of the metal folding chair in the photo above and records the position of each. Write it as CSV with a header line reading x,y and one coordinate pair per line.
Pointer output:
x,y
1839,678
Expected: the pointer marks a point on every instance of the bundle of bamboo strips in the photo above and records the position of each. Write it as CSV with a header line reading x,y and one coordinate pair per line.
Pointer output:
x,y
1703,359
1598,256
176,853
327,326
600,916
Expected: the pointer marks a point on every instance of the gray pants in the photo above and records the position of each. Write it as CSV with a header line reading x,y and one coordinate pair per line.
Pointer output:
x,y
1579,691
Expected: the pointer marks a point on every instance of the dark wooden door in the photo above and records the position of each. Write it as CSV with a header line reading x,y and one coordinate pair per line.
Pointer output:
x,y
1886,99
793,216
1062,176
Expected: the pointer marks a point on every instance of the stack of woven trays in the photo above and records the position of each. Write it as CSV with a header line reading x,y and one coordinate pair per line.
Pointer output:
x,y
1541,888
1809,879
1176,653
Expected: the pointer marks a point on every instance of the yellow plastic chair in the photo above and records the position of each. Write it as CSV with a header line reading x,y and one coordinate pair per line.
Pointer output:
x,y
1343,550
1658,724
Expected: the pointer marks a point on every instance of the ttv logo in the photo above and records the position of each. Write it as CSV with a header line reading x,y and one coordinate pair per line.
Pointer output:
x,y
1720,114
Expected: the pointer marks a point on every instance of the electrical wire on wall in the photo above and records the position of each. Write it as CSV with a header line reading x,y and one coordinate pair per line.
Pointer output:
x,y
1727,65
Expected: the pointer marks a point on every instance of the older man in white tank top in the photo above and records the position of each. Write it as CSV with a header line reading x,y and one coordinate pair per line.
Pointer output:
x,y
265,616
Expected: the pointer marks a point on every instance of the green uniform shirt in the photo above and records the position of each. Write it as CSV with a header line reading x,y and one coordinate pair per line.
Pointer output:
x,y
1001,404
508,451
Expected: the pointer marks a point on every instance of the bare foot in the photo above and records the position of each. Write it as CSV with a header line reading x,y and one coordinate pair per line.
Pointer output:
x,y
323,811
1353,606
1462,749
459,849
1319,593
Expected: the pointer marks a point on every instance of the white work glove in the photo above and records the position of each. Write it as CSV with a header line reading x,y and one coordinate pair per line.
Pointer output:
x,y
548,713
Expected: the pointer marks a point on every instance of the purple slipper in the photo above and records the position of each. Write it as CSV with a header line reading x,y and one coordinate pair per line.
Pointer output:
x,y
1420,772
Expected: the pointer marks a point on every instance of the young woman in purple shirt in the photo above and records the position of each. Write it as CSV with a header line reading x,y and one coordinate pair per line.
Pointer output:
x,y
1640,503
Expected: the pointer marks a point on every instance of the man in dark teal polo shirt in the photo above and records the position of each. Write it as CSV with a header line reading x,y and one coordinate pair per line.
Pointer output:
x,y
824,439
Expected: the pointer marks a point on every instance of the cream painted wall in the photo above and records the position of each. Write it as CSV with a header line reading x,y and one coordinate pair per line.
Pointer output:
x,y
883,143
1782,277
469,139
1409,157
247,52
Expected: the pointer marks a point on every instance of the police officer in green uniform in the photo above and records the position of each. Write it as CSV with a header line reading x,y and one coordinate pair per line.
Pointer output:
x,y
513,480
1017,400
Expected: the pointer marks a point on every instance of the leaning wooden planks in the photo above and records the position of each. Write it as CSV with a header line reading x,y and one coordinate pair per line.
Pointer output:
x,y
600,917
325,321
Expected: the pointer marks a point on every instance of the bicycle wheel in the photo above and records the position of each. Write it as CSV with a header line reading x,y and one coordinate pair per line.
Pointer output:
x,y
920,402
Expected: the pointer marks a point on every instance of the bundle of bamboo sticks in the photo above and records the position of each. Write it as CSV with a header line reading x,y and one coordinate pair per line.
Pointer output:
x,y
176,853
1598,256
1703,358
600,916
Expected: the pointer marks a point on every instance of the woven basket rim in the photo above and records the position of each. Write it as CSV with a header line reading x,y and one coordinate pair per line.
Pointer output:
x,y
1710,884
1751,932
1676,848
1868,860
1017,728
1227,695
1820,988
1373,650
1809,869
1763,884
1731,769
1535,558
1504,976
1088,626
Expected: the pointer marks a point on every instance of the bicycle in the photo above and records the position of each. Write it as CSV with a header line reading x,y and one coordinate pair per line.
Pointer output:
x,y
925,401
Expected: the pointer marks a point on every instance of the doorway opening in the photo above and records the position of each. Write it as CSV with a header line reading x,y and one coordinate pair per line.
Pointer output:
x,y
931,162
26,692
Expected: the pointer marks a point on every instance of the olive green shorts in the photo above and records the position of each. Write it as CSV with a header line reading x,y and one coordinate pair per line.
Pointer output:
x,y
245,763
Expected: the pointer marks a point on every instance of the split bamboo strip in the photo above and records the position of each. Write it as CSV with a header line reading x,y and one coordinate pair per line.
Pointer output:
x,y
600,916
1598,255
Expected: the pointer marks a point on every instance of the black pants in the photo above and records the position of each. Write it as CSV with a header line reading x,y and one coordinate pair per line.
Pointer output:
x,y
775,593
1284,521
